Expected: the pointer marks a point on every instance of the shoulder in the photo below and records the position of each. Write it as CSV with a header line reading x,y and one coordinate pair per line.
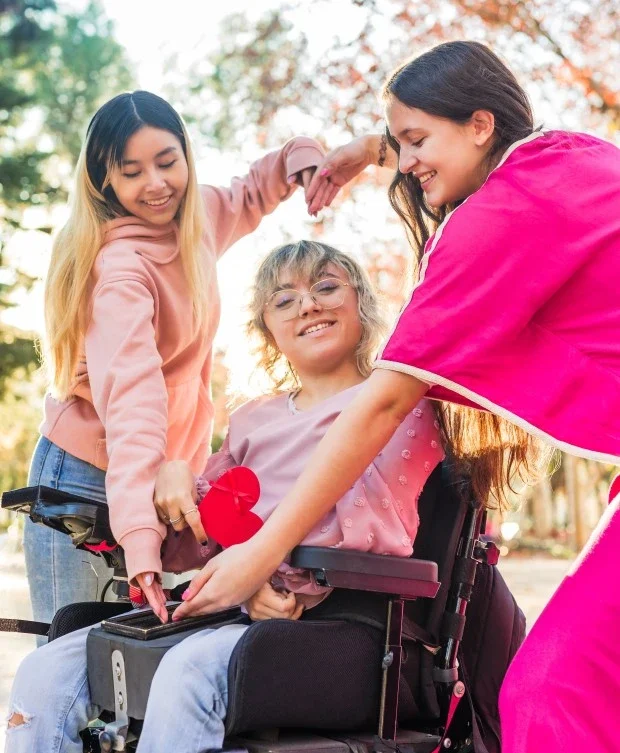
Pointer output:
x,y
120,260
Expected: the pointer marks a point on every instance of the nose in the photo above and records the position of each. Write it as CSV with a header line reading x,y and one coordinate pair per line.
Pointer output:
x,y
155,180
406,161
308,304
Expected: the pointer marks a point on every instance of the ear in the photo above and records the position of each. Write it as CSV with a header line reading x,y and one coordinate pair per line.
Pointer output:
x,y
483,125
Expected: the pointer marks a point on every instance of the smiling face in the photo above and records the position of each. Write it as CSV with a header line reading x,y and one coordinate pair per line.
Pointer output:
x,y
151,180
446,157
316,339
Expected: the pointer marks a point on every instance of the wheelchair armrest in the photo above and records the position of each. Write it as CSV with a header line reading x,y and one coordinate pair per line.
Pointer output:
x,y
86,521
346,568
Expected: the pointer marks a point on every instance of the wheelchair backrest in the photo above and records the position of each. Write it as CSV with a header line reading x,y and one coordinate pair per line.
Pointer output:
x,y
442,508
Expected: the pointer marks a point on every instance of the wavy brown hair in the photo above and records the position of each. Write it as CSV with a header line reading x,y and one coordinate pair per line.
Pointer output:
x,y
452,81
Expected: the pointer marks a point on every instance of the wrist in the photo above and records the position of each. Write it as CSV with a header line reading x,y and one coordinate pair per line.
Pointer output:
x,y
372,146
269,548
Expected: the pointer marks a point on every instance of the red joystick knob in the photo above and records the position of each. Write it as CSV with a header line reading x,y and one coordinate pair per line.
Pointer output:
x,y
226,509
136,596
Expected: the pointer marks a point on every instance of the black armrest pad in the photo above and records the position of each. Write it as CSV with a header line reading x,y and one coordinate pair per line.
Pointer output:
x,y
85,520
364,563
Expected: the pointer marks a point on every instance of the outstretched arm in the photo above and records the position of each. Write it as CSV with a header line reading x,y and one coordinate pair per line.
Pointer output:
x,y
351,443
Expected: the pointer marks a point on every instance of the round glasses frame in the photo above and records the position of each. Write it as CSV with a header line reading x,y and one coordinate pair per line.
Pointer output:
x,y
291,311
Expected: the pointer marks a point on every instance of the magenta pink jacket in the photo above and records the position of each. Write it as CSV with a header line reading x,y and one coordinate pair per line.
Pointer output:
x,y
378,514
518,305
142,390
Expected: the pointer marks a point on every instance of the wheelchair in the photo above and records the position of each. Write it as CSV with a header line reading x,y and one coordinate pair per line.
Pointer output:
x,y
373,668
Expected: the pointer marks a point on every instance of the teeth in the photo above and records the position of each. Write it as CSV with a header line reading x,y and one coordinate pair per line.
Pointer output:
x,y
316,328
157,203
427,176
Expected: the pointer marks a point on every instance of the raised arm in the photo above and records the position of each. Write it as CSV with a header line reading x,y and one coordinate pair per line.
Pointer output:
x,y
345,163
237,210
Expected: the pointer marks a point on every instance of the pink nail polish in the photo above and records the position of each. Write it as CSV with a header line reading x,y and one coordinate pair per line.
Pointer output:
x,y
185,594
323,172
175,619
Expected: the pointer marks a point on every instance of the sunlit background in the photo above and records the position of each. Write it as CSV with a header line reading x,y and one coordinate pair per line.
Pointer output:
x,y
247,75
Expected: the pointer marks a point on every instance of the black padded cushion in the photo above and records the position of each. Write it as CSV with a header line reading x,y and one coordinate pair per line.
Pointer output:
x,y
84,613
315,675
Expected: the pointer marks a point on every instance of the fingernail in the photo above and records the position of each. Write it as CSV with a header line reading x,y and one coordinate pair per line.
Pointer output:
x,y
149,579
323,172
185,594
291,179
175,619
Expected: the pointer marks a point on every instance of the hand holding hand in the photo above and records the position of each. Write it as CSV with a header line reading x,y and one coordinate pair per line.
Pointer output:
x,y
269,604
339,167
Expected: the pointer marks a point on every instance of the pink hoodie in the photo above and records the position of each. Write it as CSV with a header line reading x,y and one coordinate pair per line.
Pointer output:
x,y
142,389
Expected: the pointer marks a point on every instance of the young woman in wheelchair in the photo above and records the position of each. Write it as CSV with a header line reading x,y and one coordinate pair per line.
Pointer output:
x,y
317,322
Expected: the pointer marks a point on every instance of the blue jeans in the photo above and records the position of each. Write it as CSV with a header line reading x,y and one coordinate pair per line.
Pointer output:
x,y
185,712
58,573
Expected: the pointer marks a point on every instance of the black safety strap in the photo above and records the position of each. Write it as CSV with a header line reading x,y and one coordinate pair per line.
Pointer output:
x,y
23,626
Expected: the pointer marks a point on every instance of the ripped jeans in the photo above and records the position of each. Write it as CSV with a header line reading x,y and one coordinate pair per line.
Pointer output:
x,y
185,711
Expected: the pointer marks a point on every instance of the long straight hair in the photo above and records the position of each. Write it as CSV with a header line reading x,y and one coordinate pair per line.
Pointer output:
x,y
94,203
452,81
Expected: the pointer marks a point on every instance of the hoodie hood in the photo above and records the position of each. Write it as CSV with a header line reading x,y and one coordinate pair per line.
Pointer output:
x,y
159,243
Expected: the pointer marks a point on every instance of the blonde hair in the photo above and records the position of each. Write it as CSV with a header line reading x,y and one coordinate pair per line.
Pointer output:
x,y
94,203
309,258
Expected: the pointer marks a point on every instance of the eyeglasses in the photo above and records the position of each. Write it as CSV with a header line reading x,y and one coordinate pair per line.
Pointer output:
x,y
286,304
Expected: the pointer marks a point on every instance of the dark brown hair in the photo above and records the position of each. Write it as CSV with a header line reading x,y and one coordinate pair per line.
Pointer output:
x,y
452,81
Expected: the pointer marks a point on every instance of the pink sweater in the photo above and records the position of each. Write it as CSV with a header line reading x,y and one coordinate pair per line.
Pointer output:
x,y
378,514
517,306
142,389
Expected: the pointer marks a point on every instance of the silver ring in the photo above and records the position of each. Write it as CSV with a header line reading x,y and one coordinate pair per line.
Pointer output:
x,y
176,520
189,512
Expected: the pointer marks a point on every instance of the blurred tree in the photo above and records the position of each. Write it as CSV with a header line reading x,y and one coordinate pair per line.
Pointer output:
x,y
566,51
55,70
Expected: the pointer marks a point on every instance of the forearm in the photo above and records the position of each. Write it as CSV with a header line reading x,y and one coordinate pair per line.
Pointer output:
x,y
373,149
348,448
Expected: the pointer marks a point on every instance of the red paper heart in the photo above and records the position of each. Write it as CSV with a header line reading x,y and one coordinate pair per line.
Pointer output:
x,y
225,510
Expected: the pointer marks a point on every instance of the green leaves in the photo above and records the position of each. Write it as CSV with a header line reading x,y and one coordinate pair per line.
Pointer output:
x,y
55,71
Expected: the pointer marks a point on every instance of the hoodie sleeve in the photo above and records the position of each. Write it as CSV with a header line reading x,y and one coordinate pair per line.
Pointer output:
x,y
129,395
236,211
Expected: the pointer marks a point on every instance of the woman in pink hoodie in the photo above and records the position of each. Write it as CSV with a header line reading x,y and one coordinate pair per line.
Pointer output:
x,y
515,311
132,307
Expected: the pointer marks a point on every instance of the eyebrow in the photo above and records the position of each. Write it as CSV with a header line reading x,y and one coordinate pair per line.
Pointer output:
x,y
163,153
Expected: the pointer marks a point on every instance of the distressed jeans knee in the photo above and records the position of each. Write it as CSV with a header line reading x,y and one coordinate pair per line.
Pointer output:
x,y
18,719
